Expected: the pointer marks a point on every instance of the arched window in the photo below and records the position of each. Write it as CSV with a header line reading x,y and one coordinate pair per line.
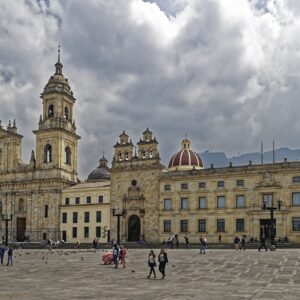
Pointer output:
x,y
151,153
21,206
126,155
143,154
120,156
68,156
48,154
51,111
66,115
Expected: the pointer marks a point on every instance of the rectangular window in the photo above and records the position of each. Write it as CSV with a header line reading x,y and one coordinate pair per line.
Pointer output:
x,y
74,232
296,224
240,183
86,217
220,202
167,187
64,218
98,216
67,201
202,185
220,225
184,203
77,200
88,199
202,225
221,184
100,199
184,226
240,225
296,179
167,226
240,201
167,204
268,200
202,203
86,232
98,231
184,186
75,217
46,211
296,199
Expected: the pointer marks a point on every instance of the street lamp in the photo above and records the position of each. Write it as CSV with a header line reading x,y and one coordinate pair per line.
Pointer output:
x,y
271,209
7,218
122,214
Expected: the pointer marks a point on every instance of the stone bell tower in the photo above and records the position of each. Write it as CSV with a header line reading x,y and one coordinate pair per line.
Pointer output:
x,y
135,188
56,138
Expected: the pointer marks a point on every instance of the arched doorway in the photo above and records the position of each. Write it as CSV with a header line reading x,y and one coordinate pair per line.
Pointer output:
x,y
134,229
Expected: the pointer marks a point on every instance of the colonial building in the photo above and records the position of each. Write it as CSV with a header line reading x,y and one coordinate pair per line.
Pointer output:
x,y
135,188
185,198
85,208
30,194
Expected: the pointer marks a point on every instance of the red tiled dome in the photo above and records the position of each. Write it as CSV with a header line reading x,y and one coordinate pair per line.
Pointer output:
x,y
185,158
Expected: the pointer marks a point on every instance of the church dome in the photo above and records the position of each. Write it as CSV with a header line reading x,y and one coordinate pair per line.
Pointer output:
x,y
185,159
102,172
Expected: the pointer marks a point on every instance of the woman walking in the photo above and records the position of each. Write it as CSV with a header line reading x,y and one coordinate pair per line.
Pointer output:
x,y
122,256
151,264
163,260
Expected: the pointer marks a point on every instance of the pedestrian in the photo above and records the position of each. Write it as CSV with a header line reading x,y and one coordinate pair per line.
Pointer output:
x,y
163,260
202,244
122,256
220,238
116,252
10,256
2,252
177,240
236,243
94,243
77,245
243,242
151,264
262,243
187,242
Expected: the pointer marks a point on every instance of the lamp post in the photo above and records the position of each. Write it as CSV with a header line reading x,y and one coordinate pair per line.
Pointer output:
x,y
271,209
7,218
122,214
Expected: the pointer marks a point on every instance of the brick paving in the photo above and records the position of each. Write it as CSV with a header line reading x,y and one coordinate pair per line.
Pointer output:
x,y
219,274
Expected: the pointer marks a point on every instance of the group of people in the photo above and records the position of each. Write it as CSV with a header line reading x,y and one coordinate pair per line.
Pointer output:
x,y
162,260
9,251
240,243
119,255
172,241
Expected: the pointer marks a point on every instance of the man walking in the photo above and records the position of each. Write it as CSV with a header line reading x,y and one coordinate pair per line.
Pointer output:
x,y
243,243
202,244
163,260
262,243
187,242
10,256
2,252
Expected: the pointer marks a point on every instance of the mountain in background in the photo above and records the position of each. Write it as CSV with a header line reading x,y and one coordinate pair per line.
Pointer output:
x,y
219,159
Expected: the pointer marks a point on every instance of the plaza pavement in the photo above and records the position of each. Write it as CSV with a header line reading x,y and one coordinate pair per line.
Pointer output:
x,y
219,274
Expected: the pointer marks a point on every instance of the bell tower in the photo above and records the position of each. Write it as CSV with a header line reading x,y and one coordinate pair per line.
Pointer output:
x,y
56,138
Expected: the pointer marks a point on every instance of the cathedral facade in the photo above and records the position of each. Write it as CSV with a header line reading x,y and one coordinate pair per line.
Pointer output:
x,y
30,194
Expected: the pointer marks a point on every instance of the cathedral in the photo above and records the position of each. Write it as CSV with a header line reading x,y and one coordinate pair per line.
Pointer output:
x,y
30,193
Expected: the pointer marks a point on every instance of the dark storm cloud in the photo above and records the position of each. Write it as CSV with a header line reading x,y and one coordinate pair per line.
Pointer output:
x,y
224,72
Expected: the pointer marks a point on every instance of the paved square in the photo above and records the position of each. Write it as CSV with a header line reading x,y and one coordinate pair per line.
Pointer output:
x,y
219,274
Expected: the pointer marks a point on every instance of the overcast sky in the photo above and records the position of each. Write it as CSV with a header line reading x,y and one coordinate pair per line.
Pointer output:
x,y
226,73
